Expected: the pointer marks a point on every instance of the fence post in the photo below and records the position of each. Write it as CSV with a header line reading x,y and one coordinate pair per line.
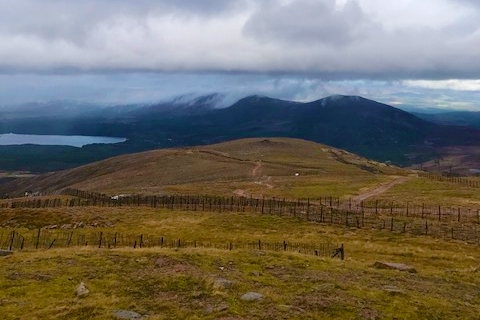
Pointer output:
x,y
38,238
284,245
11,241
342,252
100,241
259,245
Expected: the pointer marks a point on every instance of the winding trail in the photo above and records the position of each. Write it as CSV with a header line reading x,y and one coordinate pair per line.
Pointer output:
x,y
255,170
381,189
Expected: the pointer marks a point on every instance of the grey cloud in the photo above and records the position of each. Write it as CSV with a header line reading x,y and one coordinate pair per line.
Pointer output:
x,y
310,22
316,37
73,20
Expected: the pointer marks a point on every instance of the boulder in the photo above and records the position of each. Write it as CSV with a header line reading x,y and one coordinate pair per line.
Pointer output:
x,y
394,266
223,284
4,253
126,314
251,296
81,290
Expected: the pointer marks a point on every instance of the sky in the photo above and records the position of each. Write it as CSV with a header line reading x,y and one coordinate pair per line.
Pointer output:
x,y
424,53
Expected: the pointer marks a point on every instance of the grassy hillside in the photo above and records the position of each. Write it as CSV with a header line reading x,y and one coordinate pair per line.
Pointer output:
x,y
257,167
164,283
208,282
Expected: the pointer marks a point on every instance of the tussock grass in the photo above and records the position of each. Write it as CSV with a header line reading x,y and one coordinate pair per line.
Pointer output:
x,y
181,283
423,190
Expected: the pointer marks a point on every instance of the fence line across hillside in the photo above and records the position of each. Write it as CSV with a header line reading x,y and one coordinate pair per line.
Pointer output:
x,y
452,179
300,207
48,239
437,221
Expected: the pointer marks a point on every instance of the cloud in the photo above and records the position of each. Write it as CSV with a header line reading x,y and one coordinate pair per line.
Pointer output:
x,y
331,39
310,22
451,84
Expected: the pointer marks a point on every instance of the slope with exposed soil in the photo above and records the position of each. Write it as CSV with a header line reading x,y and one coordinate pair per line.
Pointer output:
x,y
252,165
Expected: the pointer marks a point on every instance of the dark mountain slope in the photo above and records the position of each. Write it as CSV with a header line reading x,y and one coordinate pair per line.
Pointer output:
x,y
359,125
457,118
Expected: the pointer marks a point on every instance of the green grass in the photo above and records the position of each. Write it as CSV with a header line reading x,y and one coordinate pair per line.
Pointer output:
x,y
423,190
180,283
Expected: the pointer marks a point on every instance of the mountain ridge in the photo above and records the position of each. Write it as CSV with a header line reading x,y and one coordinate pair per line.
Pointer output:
x,y
356,124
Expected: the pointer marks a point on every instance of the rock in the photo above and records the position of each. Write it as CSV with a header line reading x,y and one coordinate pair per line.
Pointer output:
x,y
251,296
394,266
209,309
223,284
125,314
81,290
221,307
393,290
255,273
4,253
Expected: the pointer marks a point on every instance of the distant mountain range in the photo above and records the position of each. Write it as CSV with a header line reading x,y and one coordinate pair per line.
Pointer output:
x,y
356,124
458,118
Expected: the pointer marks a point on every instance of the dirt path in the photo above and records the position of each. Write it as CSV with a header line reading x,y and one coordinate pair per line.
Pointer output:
x,y
381,189
255,170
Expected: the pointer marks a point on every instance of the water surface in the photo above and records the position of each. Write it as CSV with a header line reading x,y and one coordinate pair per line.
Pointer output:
x,y
55,140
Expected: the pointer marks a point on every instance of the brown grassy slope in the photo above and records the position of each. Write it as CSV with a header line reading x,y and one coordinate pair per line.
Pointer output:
x,y
162,283
249,166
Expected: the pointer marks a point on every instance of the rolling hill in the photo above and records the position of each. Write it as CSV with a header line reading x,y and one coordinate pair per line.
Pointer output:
x,y
259,166
365,127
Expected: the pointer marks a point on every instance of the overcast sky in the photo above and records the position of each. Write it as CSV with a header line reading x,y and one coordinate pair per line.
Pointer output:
x,y
423,52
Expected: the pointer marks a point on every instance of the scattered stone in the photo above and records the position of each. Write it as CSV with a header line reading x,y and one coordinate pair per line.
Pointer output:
x,y
223,284
209,309
81,290
66,226
285,307
394,266
393,290
255,273
251,296
4,253
221,307
125,314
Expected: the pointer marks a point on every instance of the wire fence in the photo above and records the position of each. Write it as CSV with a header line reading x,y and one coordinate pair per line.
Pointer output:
x,y
48,239
438,221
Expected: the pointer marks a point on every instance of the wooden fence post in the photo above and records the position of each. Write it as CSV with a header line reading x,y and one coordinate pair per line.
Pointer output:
x,y
100,241
38,238
11,241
